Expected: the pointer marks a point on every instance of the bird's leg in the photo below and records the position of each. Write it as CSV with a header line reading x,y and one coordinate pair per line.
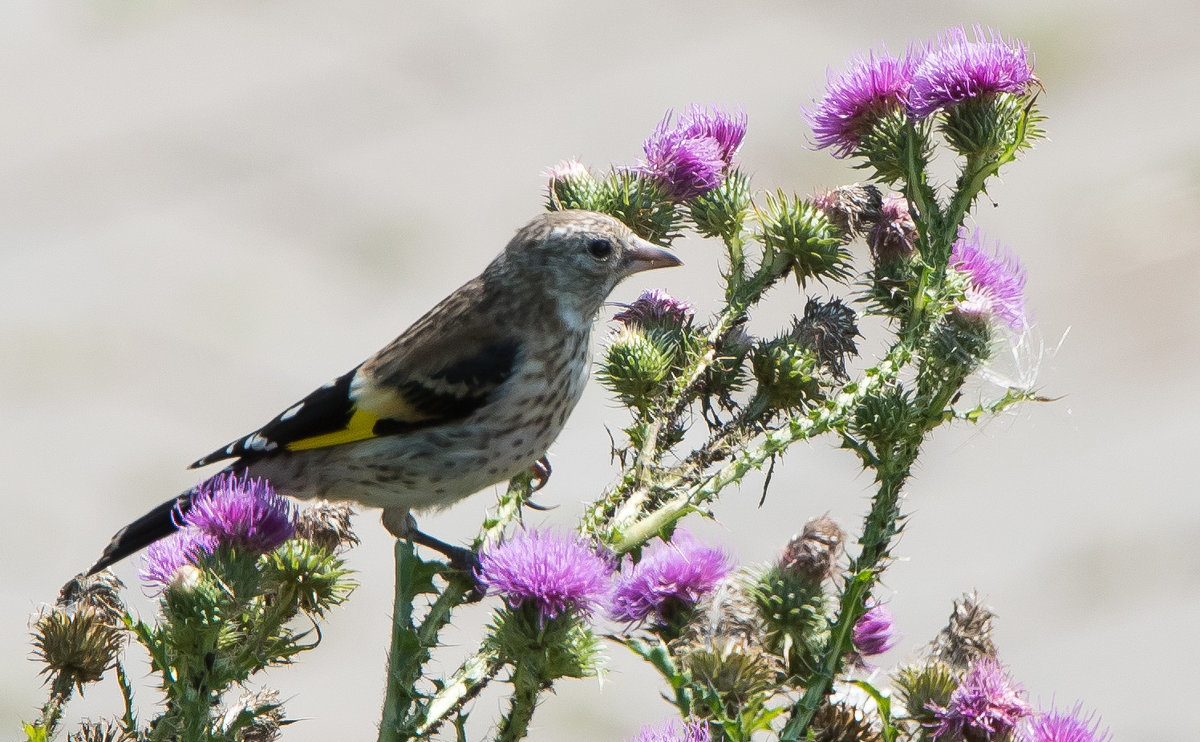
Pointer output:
x,y
539,474
401,524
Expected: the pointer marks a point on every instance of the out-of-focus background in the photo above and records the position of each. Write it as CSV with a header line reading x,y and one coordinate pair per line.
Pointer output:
x,y
207,209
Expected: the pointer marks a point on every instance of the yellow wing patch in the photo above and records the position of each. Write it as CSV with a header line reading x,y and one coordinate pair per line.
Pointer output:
x,y
360,428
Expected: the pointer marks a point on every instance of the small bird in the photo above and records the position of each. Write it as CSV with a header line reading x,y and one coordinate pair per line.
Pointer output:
x,y
470,395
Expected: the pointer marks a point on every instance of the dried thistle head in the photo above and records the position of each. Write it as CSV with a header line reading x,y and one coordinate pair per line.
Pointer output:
x,y
257,716
729,612
737,671
828,330
851,208
100,731
327,525
842,722
814,553
77,646
100,592
967,636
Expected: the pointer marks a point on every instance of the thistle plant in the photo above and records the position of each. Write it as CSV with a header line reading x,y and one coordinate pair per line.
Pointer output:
x,y
768,651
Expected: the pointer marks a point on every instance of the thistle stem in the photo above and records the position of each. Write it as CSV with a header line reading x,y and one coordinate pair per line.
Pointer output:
x,y
526,687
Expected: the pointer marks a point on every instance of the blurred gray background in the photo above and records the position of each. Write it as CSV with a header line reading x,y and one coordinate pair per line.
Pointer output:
x,y
206,210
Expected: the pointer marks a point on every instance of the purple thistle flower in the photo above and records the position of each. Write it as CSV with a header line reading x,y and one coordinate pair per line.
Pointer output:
x,y
960,69
657,306
874,631
870,88
692,731
691,157
986,705
164,558
554,573
242,512
995,281
1058,726
670,576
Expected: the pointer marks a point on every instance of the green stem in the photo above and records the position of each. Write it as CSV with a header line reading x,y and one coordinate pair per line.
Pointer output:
x,y
52,710
827,417
526,687
400,693
881,525
459,688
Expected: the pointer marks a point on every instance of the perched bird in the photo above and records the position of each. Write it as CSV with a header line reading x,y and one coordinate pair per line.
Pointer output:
x,y
472,394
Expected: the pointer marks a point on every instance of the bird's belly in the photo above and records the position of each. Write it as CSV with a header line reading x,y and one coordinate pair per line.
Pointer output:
x,y
438,466
416,471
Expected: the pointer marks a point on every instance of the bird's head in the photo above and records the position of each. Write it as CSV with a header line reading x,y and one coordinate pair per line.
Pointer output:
x,y
578,257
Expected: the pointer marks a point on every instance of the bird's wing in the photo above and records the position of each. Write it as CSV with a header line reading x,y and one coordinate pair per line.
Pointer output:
x,y
446,366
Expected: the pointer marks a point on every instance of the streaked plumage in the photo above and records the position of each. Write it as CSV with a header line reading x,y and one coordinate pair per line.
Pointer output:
x,y
473,393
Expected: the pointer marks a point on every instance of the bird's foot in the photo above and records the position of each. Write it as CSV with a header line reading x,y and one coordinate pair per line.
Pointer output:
x,y
539,474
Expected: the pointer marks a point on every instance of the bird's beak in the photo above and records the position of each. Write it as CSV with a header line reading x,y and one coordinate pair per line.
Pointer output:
x,y
643,256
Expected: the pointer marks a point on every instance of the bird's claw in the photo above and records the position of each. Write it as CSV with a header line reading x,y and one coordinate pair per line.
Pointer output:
x,y
539,474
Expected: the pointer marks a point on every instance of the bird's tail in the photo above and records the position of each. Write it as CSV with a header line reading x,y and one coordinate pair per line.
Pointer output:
x,y
160,522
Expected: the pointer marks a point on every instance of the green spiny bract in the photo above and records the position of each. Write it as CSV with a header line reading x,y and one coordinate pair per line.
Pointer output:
x,y
797,615
635,368
640,202
918,686
721,211
956,346
301,575
559,647
981,128
893,144
886,417
889,287
571,186
726,373
786,373
800,234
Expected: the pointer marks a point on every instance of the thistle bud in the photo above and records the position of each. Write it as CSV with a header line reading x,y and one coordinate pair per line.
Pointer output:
x,y
643,203
796,613
635,368
786,373
886,417
726,374
920,688
570,186
306,577
721,211
801,234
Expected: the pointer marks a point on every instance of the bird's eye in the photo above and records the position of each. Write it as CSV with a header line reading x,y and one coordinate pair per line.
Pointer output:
x,y
599,248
